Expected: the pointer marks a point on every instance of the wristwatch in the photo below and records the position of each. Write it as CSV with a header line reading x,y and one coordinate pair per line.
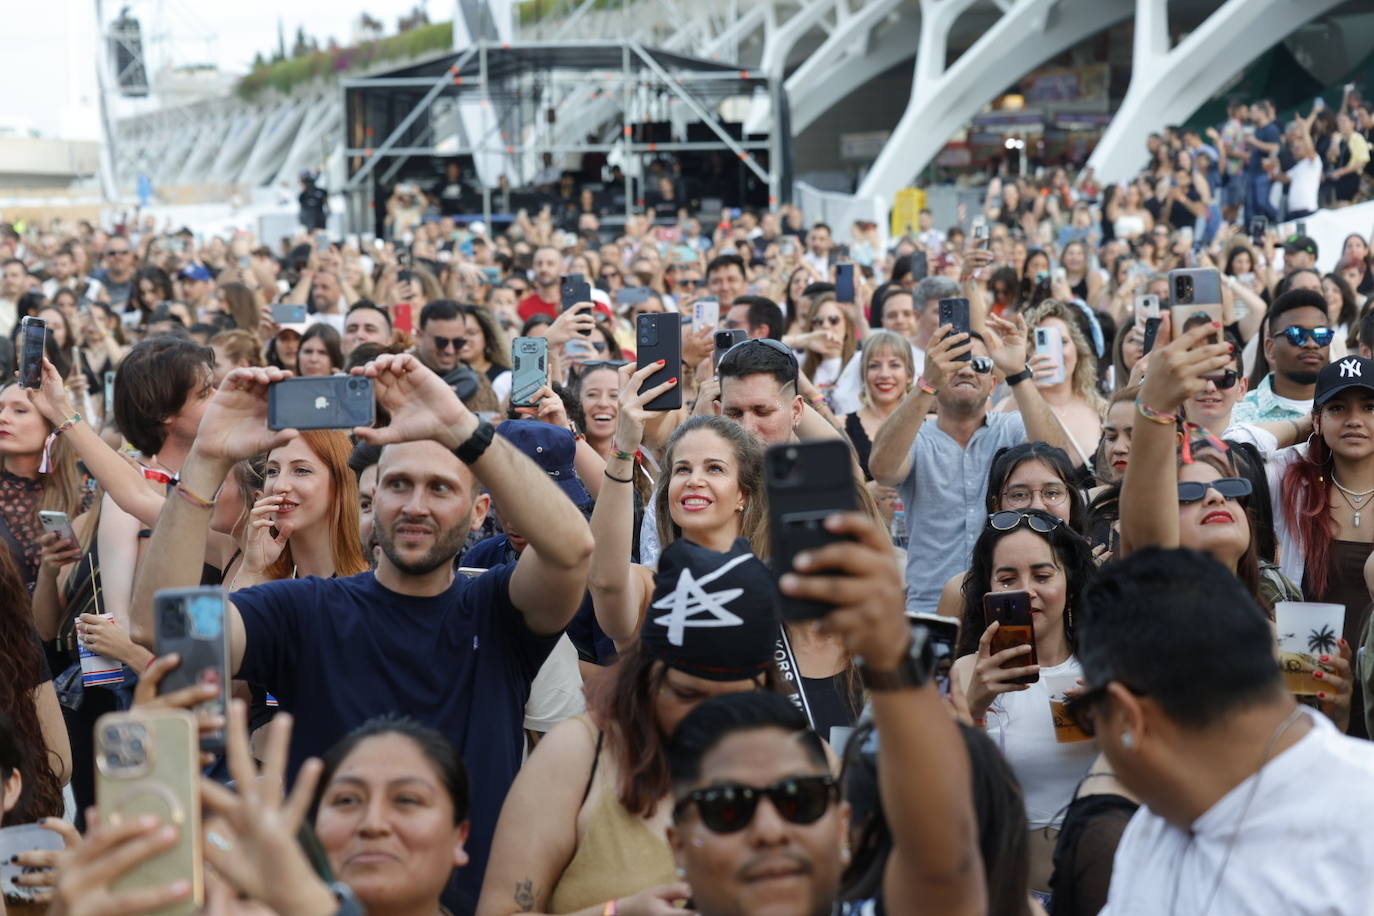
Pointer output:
x,y
914,670
476,444
1019,377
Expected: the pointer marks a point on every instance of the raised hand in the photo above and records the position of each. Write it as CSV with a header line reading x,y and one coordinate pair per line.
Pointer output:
x,y
630,419
1007,343
990,678
234,426
1177,371
421,405
50,397
265,539
942,357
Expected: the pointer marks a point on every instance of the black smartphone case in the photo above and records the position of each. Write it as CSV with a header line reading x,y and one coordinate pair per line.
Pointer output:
x,y
807,482
193,624
659,336
530,369
954,312
321,402
724,340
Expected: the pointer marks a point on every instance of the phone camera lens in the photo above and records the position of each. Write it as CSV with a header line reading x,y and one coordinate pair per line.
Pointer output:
x,y
113,760
136,746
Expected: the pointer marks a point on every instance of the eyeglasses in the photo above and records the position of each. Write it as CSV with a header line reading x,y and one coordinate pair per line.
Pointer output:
x,y
1034,519
1051,494
729,807
1081,708
1190,491
1321,336
831,321
111,252
443,343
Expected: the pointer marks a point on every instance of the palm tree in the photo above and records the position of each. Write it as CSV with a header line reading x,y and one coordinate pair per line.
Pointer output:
x,y
1322,641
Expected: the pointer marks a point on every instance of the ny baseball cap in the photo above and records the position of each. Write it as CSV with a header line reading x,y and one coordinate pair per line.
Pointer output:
x,y
1347,372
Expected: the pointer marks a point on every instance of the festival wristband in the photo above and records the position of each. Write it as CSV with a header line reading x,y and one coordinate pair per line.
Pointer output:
x,y
926,387
1155,416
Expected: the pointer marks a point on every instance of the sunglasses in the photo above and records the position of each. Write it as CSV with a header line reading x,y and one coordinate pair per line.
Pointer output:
x,y
729,807
1321,336
1034,519
443,343
1190,491
112,252
981,364
1226,381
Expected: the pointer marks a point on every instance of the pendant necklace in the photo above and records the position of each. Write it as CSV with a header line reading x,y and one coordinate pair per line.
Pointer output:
x,y
1353,499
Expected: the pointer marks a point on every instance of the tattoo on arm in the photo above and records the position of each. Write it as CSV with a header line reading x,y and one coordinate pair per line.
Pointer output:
x,y
524,895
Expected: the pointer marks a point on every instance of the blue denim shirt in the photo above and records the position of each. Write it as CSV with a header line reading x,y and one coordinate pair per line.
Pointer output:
x,y
946,502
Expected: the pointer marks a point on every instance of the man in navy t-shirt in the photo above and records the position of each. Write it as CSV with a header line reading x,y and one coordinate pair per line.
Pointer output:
x,y
410,637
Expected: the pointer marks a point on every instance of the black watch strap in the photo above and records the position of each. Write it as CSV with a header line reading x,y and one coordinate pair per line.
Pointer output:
x,y
1019,377
476,445
914,670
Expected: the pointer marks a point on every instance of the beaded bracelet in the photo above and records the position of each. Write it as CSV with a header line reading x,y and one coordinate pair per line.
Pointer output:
x,y
1149,413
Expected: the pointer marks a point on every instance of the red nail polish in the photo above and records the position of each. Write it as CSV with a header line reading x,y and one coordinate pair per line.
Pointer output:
x,y
1323,658
673,380
1318,675
1321,696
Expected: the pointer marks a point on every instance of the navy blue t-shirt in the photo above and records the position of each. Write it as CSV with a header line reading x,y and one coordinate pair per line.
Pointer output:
x,y
336,652
1269,133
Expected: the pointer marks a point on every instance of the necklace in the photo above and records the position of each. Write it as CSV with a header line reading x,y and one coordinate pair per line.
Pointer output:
x,y
1354,505
1240,821
1359,497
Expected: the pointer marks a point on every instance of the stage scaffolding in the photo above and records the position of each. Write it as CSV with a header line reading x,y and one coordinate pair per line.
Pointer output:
x,y
554,97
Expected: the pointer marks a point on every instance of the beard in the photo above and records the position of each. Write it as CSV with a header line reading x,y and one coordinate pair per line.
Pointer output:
x,y
1301,377
446,546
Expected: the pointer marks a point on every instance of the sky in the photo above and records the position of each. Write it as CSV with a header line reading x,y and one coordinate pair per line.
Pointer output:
x,y
51,86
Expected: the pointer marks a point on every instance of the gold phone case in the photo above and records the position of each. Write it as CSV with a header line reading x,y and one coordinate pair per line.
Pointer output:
x,y
149,763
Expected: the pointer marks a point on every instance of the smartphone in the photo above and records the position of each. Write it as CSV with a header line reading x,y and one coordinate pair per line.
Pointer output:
x,y
1258,226
705,314
321,402
980,236
1151,333
1048,342
18,839
55,520
844,282
574,289
659,336
492,275
631,295
943,634
1302,227
147,762
1146,306
321,243
1194,298
920,267
724,340
954,312
529,359
403,317
34,334
1013,611
108,392
286,313
806,482
191,623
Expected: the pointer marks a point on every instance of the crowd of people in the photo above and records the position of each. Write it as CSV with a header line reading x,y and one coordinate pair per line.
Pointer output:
x,y
497,658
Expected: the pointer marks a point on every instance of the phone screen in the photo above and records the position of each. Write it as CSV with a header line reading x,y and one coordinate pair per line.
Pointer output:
x,y
31,355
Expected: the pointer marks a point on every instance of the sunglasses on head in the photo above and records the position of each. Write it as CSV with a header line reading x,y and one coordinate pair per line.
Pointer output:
x,y
443,343
1321,336
1190,491
729,807
1034,519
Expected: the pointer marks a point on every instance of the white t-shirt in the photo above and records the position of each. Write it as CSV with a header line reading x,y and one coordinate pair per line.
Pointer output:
x,y
1303,846
1303,180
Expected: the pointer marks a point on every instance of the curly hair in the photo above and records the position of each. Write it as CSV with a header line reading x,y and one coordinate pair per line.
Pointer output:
x,y
20,656
1084,381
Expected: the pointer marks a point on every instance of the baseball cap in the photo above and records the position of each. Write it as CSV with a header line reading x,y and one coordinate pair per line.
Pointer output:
x,y
195,272
552,448
1346,372
712,614
1295,243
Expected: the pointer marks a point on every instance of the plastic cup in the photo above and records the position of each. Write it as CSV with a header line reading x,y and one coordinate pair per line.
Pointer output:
x,y
1306,630
97,670
1066,731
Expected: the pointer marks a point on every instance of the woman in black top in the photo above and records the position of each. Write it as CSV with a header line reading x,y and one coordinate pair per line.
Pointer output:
x,y
888,373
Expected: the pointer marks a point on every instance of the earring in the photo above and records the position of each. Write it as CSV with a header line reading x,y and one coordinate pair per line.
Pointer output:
x,y
681,872
845,855
1127,740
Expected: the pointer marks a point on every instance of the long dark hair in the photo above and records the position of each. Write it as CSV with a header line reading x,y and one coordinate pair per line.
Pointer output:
x,y
998,805
622,706
41,795
433,746
1247,567
1008,459
1072,552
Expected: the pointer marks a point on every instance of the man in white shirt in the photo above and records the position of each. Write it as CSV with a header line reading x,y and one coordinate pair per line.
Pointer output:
x,y
1252,804
1305,176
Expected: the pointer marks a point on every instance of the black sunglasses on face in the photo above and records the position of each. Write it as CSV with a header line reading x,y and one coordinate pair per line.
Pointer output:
x,y
443,343
1226,381
729,807
1034,519
1190,491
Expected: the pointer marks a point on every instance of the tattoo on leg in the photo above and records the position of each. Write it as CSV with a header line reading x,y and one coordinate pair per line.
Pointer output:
x,y
524,895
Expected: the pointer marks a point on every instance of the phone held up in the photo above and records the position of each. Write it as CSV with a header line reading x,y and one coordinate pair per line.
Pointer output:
x,y
659,336
529,369
1048,342
807,482
1012,612
33,333
147,763
1194,298
955,313
1148,315
191,623
321,402
943,635
724,340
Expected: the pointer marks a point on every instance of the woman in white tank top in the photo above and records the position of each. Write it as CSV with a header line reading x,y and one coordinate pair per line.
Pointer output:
x,y
1033,552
